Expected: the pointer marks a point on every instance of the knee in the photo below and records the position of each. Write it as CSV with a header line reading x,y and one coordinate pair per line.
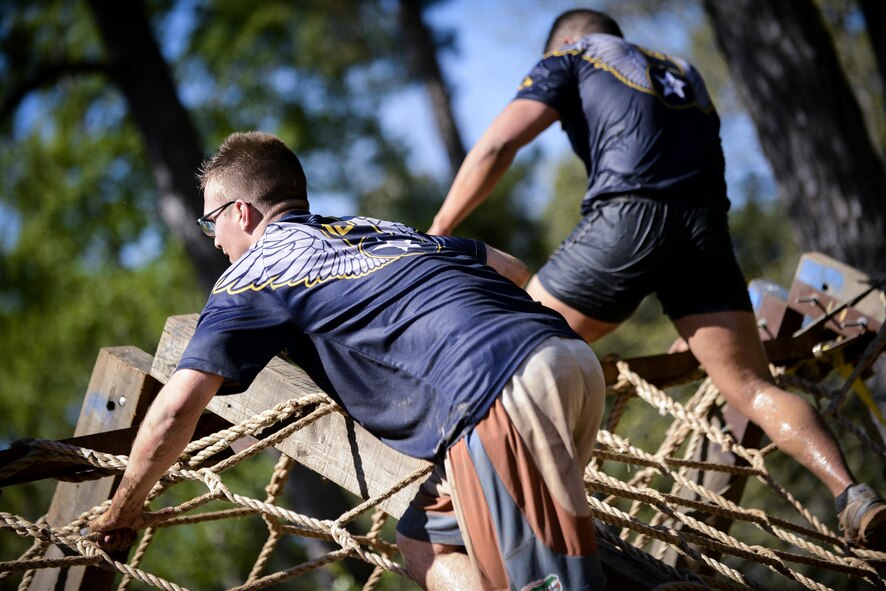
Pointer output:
x,y
412,553
418,558
751,393
437,567
766,403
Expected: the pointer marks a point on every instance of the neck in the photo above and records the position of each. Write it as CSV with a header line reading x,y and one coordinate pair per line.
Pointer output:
x,y
278,210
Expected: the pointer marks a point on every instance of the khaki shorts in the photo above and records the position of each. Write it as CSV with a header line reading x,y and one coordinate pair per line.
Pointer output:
x,y
511,490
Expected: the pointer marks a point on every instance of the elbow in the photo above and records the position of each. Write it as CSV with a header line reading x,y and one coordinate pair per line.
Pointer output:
x,y
516,271
508,266
182,400
500,152
521,275
164,417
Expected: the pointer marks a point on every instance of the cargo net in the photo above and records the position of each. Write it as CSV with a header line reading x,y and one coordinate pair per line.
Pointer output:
x,y
658,516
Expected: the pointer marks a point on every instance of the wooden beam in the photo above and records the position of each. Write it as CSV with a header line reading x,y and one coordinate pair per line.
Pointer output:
x,y
775,319
333,446
115,442
672,368
118,394
364,465
822,284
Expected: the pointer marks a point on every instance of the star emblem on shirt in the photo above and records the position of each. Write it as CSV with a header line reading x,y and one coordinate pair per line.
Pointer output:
x,y
403,245
672,85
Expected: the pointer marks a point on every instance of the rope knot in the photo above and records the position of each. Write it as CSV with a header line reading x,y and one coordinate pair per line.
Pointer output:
x,y
343,537
758,460
88,547
212,480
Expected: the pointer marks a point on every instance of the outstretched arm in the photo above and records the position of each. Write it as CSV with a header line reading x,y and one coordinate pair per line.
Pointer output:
x,y
517,125
164,433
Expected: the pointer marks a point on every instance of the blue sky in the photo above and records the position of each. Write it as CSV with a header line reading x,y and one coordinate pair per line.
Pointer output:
x,y
498,41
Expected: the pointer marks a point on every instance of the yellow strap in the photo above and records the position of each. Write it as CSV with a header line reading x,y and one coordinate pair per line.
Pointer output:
x,y
863,392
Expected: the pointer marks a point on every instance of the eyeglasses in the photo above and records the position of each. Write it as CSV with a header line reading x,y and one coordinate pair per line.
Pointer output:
x,y
208,225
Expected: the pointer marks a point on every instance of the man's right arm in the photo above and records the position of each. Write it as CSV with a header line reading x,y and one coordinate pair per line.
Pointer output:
x,y
517,125
164,433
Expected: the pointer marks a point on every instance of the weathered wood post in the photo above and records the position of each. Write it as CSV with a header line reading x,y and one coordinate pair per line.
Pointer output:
x,y
119,392
334,446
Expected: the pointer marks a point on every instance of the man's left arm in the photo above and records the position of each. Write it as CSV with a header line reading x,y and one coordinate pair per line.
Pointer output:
x,y
164,433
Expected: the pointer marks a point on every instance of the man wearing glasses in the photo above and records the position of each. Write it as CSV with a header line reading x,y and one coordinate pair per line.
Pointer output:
x,y
428,342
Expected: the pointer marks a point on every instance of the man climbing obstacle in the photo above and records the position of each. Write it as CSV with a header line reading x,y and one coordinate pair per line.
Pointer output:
x,y
655,221
427,342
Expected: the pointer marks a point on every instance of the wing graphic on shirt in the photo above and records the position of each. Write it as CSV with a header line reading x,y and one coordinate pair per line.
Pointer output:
x,y
625,62
294,254
671,79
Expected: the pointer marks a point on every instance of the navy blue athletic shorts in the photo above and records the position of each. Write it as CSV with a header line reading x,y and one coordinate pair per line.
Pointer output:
x,y
628,247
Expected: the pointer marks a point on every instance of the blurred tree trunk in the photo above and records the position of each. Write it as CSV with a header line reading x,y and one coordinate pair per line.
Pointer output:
x,y
811,128
421,54
174,149
875,18
171,142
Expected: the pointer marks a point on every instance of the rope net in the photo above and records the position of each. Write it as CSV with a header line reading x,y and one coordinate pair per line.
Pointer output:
x,y
666,508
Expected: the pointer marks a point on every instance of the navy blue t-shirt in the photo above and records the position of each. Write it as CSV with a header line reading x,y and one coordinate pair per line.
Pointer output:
x,y
412,334
641,121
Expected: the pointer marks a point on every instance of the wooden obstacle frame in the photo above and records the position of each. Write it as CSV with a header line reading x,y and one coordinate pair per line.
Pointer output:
x,y
830,319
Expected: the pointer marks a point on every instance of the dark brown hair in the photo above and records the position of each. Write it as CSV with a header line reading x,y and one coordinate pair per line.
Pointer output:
x,y
258,168
578,23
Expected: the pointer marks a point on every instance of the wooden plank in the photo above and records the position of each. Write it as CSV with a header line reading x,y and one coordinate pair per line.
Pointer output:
x,y
334,446
365,466
660,370
669,368
118,394
775,318
833,283
114,442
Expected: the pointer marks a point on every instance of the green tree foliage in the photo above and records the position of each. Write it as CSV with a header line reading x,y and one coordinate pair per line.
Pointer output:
x,y
314,73
502,220
764,244
84,265
86,261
